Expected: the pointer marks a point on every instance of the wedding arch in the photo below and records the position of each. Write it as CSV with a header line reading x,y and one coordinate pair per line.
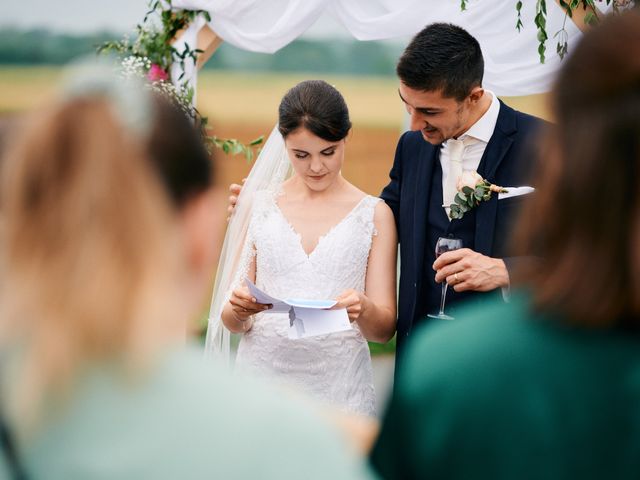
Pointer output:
x,y
508,35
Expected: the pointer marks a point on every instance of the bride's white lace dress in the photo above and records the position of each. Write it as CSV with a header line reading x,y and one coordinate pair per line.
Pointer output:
x,y
336,368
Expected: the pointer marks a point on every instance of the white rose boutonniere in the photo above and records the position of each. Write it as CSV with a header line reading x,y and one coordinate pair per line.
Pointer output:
x,y
472,189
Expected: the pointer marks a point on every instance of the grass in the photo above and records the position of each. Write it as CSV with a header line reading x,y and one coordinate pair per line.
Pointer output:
x,y
25,88
383,348
224,96
240,97
373,101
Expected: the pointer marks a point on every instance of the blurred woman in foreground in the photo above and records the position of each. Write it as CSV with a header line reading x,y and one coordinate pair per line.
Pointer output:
x,y
547,386
107,249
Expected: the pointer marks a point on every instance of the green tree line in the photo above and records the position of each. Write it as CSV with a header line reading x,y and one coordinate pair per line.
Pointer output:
x,y
43,47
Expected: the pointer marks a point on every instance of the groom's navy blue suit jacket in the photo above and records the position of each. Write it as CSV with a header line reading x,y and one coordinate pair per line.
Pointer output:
x,y
415,196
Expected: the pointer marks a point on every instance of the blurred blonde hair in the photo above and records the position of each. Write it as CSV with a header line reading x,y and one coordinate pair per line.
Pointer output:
x,y
88,250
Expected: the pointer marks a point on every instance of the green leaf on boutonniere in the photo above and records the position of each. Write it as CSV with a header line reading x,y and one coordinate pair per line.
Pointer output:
x,y
467,190
460,198
478,193
471,202
455,212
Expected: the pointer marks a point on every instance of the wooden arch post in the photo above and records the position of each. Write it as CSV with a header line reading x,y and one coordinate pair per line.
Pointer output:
x,y
208,42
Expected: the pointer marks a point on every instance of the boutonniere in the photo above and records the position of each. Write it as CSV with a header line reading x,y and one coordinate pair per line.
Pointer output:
x,y
472,189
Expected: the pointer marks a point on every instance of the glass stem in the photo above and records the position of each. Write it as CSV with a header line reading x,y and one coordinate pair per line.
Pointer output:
x,y
444,296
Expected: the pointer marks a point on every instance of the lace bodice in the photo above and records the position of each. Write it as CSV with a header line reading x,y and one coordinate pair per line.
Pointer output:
x,y
335,368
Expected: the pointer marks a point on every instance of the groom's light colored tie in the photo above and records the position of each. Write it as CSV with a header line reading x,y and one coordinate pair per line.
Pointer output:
x,y
455,149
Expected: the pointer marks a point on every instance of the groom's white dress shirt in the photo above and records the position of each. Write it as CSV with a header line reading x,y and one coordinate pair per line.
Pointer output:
x,y
475,142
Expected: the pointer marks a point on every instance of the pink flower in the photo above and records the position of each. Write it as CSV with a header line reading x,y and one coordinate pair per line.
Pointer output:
x,y
156,73
469,179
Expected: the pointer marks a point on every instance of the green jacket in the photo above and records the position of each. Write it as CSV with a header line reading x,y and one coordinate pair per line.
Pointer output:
x,y
503,393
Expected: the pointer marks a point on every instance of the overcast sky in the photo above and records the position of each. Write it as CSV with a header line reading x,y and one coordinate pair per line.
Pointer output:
x,y
83,16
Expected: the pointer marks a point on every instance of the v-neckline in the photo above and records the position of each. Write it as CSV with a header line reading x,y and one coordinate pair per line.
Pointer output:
x,y
321,237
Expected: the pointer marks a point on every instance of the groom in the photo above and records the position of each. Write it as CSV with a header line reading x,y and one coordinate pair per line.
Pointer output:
x,y
456,125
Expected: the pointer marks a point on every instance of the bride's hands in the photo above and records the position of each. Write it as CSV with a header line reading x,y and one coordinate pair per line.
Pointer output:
x,y
355,302
243,304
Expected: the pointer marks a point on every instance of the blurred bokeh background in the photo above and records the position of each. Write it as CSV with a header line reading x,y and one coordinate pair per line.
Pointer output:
x,y
238,90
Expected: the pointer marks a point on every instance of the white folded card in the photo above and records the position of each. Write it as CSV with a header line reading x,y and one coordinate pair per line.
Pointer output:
x,y
514,192
307,318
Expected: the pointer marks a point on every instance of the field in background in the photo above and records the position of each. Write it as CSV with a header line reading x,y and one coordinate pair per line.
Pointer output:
x,y
244,106
247,97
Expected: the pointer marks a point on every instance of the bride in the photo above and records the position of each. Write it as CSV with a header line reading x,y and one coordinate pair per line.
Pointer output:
x,y
315,236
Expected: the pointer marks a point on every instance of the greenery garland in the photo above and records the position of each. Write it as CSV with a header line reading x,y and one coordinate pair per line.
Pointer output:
x,y
151,56
569,6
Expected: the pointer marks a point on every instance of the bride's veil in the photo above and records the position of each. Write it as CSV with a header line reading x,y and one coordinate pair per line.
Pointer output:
x,y
269,171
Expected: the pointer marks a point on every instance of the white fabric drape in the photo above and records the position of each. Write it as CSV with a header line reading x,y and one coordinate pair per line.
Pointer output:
x,y
188,71
512,63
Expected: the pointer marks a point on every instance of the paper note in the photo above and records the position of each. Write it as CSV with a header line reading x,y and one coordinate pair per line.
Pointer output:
x,y
307,318
279,306
308,322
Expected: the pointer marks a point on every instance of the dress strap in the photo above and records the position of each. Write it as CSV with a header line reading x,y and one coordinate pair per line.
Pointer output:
x,y
365,212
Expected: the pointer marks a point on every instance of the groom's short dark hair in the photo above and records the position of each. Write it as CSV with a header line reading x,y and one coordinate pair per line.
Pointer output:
x,y
442,57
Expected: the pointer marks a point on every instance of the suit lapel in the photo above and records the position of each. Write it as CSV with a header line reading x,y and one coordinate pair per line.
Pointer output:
x,y
494,154
424,172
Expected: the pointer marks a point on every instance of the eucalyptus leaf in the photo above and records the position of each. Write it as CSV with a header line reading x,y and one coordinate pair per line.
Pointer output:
x,y
568,6
237,148
590,19
541,50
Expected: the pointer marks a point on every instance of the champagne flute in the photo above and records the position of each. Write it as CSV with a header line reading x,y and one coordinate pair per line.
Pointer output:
x,y
445,244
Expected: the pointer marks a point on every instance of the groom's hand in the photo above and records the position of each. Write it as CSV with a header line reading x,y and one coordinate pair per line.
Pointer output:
x,y
234,190
465,269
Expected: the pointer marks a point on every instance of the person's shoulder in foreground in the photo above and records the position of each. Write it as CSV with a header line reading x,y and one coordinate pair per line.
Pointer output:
x,y
501,392
191,419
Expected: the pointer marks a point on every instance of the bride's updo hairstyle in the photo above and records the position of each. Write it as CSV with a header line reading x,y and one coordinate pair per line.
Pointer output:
x,y
90,205
316,106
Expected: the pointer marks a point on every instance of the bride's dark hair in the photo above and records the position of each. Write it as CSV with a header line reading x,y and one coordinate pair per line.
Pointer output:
x,y
316,106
